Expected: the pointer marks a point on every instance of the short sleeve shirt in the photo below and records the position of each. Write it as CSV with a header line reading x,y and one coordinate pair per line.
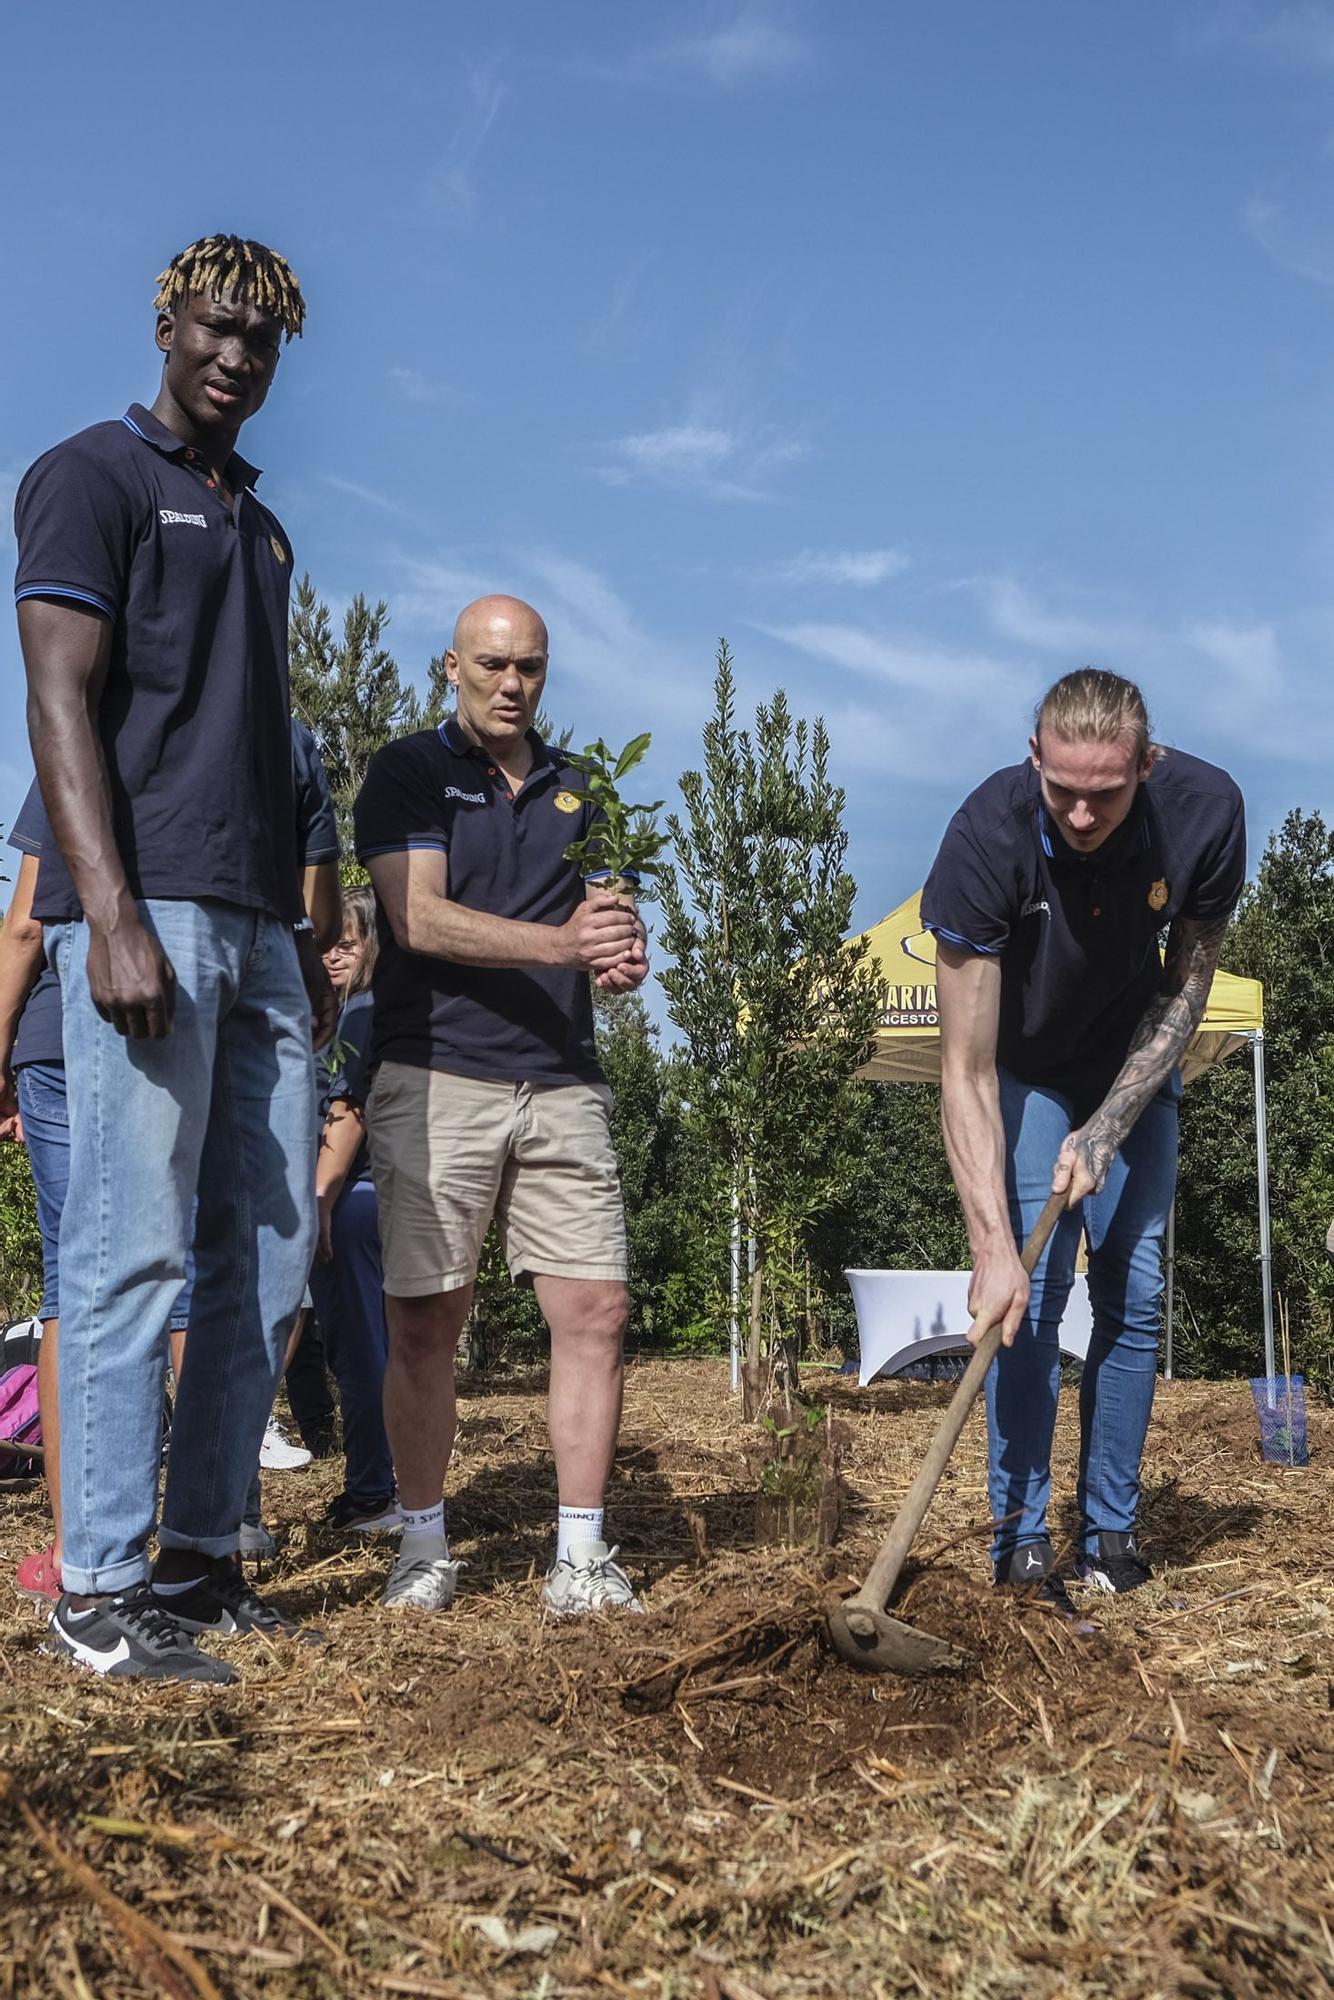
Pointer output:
x,y
316,824
1078,936
39,1038
345,1069
506,856
123,519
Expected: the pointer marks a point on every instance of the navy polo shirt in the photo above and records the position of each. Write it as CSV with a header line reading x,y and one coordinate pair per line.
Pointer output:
x,y
1078,935
124,518
316,823
345,1070
39,1038
506,856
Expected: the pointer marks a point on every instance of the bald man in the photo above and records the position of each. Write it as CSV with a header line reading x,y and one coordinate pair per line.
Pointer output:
x,y
488,1098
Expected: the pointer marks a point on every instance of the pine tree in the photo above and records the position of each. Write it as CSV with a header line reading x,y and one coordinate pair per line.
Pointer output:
x,y
349,691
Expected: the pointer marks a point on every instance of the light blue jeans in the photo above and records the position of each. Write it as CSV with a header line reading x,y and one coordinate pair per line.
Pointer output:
x,y
224,1104
1125,1224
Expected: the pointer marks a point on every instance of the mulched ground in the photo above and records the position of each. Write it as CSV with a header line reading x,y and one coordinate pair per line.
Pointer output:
x,y
704,1804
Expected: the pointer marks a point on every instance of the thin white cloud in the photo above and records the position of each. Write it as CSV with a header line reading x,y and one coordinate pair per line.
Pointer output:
x,y
352,489
451,188
751,44
1247,687
1304,249
858,569
1301,37
414,387
600,334
939,716
939,674
433,592
1015,613
750,48
608,671
724,463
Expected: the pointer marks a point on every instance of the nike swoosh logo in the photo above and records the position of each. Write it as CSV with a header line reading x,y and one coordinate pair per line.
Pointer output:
x,y
100,1660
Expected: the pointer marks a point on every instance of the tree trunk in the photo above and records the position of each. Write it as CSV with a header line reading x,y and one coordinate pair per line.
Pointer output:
x,y
751,1394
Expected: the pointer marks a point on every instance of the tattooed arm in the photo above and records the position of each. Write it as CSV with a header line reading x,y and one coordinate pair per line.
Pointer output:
x,y
1160,1041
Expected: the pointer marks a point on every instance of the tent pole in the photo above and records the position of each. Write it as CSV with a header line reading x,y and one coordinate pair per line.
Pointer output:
x,y
1262,1187
1170,1260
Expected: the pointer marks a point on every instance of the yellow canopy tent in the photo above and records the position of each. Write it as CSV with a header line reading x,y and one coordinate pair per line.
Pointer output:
x,y
907,1050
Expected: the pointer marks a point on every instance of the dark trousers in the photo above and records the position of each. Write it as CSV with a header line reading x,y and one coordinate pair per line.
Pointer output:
x,y
349,1300
308,1395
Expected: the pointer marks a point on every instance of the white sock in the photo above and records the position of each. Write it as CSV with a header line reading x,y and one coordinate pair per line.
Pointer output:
x,y
424,1531
576,1524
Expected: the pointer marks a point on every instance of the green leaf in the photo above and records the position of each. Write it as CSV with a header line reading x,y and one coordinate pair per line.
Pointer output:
x,y
633,753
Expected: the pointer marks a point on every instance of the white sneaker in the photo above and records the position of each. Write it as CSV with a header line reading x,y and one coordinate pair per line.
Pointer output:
x,y
256,1540
276,1454
590,1579
422,1583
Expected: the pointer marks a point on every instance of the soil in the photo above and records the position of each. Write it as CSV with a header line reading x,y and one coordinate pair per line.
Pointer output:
x,y
704,1803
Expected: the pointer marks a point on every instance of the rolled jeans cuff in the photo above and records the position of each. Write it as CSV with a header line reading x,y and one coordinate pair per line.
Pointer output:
x,y
107,1581
204,1545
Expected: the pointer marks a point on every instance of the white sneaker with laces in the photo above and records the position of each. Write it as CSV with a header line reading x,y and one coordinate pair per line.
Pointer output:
x,y
276,1454
589,1579
422,1583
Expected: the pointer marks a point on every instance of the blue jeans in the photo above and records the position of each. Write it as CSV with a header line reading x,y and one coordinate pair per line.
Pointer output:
x,y
45,1112
349,1301
1125,1225
225,1105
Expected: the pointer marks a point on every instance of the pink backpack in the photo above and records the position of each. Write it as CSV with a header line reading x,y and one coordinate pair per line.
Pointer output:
x,y
20,1420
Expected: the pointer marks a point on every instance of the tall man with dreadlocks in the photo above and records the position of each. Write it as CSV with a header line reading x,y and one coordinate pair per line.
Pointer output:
x,y
152,596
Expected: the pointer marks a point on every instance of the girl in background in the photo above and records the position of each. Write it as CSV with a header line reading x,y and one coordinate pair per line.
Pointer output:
x,y
347,1282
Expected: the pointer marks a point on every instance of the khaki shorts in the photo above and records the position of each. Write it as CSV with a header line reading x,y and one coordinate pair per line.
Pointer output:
x,y
449,1152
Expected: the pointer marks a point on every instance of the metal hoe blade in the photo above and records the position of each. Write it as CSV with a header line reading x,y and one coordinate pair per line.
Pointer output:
x,y
879,1644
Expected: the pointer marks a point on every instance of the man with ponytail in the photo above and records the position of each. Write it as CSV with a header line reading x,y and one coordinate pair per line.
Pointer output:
x,y
1063,1023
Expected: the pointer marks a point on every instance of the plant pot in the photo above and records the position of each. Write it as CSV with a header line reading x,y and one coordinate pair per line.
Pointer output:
x,y
1280,1406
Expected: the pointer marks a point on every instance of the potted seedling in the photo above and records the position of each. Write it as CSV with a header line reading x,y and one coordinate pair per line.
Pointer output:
x,y
623,845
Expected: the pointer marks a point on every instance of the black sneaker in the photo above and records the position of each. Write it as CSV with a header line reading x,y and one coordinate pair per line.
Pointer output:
x,y
132,1634
1116,1566
1031,1569
346,1516
222,1602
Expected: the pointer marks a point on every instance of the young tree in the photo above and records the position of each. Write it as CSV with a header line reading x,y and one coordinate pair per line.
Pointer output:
x,y
1283,935
349,691
776,1009
677,1241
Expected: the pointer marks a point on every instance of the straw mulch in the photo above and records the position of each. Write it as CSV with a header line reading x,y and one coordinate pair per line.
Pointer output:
x,y
703,1804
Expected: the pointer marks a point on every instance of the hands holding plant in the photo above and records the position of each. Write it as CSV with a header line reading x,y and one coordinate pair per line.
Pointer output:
x,y
620,849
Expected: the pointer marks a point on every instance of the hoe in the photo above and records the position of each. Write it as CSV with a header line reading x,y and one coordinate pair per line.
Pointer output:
x,y
862,1630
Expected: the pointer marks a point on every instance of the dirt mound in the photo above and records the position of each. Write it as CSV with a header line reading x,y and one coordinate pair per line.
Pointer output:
x,y
704,1801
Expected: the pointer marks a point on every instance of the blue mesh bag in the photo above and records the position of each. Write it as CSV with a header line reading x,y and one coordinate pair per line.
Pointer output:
x,y
1280,1405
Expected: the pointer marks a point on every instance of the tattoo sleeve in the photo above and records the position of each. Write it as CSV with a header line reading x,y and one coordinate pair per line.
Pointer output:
x,y
1159,1042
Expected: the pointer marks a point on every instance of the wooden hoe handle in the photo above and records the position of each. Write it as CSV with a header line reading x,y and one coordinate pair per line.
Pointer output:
x,y
884,1571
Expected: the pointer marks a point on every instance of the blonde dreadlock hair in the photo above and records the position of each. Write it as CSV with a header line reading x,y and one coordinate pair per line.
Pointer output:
x,y
218,264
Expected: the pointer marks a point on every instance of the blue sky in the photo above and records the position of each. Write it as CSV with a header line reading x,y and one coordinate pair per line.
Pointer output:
x,y
924,352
